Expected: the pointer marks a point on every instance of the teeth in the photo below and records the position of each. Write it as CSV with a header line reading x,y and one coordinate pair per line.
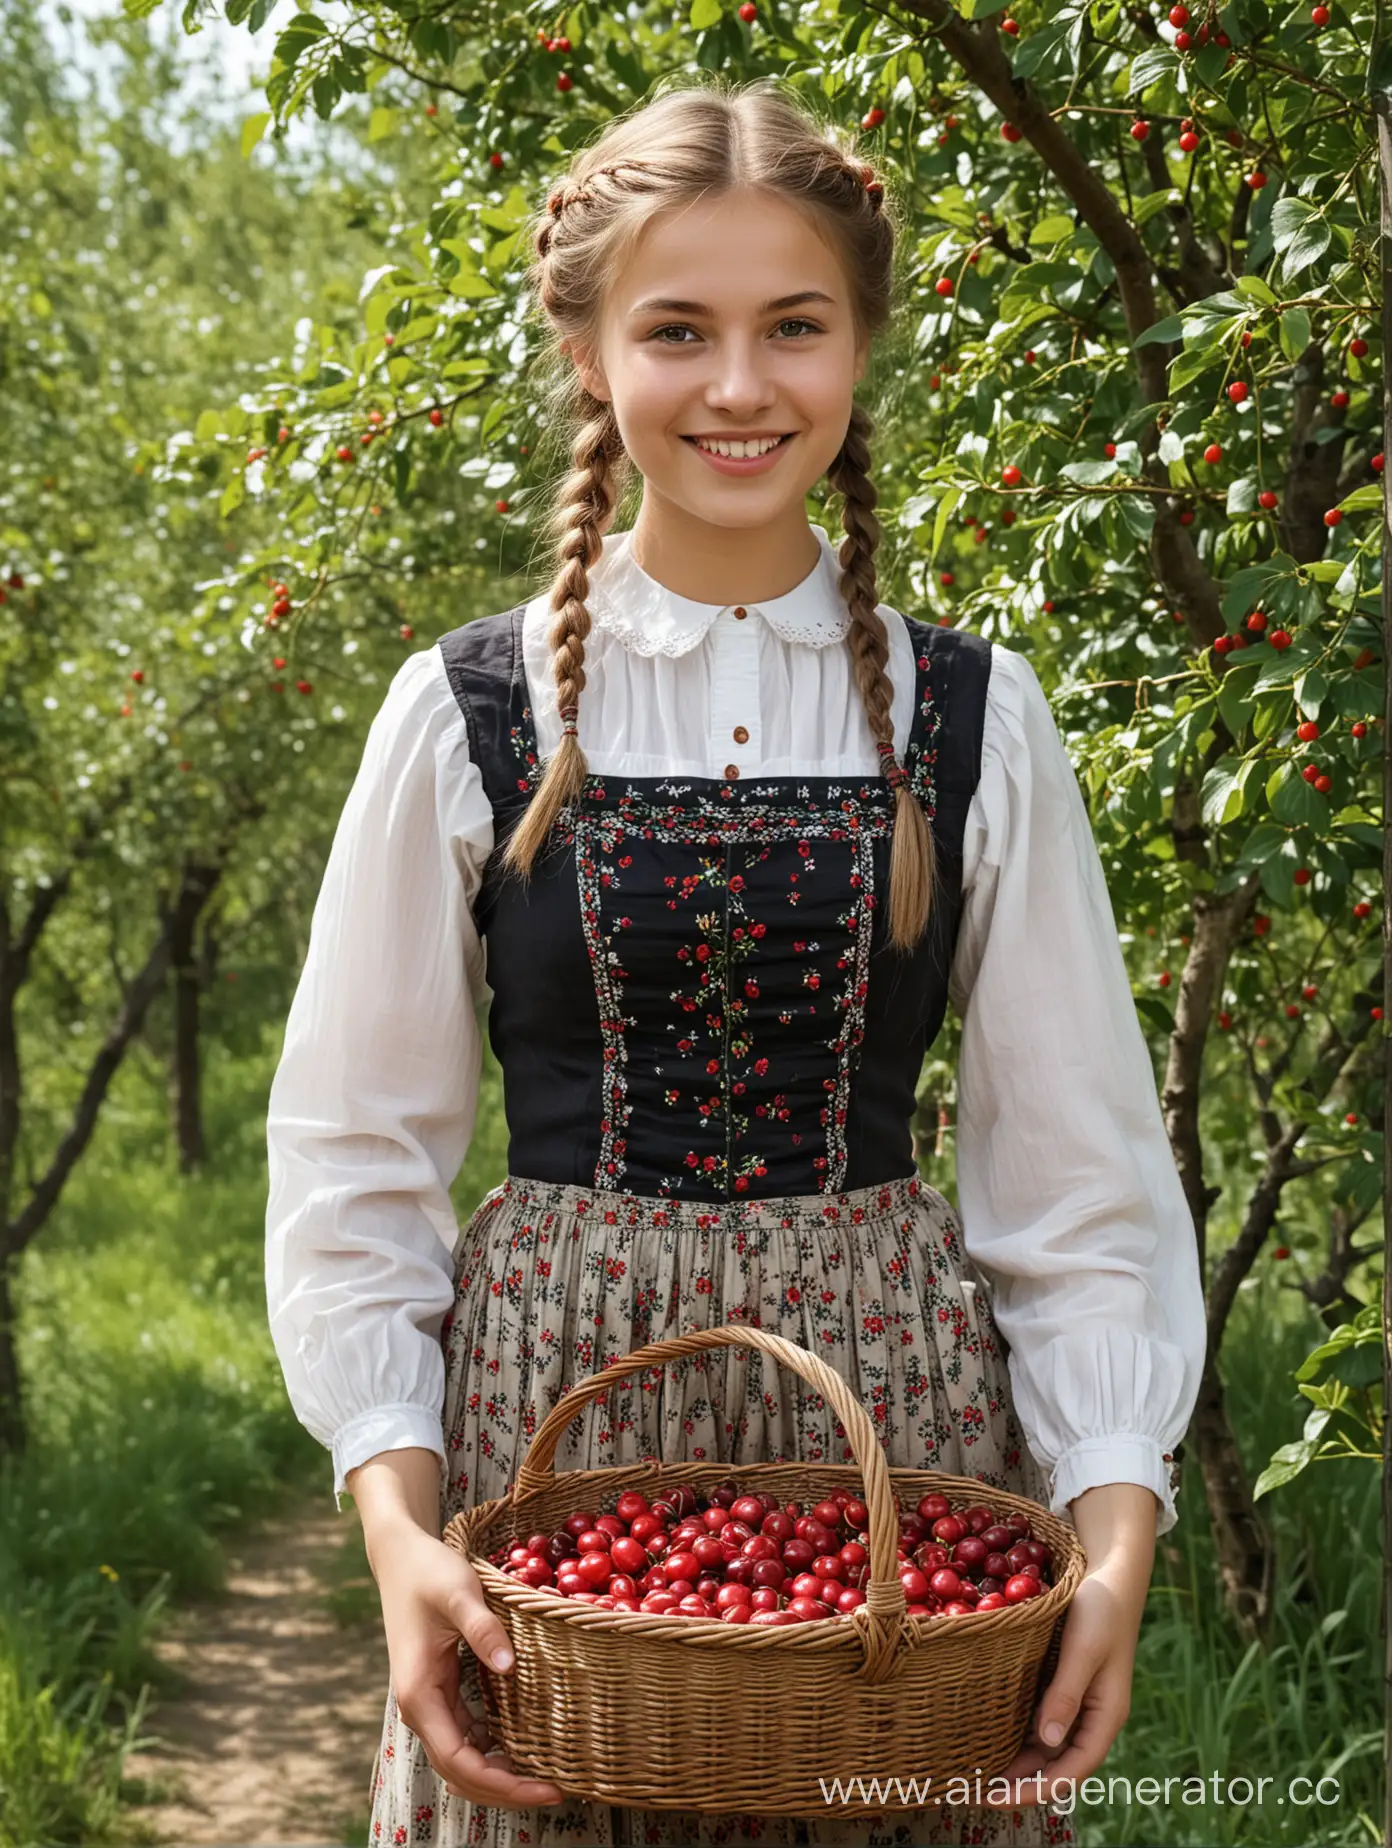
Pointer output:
x,y
738,450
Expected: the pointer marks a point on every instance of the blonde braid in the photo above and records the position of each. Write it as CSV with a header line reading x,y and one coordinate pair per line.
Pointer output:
x,y
913,859
586,504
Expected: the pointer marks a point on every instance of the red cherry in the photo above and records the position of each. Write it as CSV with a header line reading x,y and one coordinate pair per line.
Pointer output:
x,y
1267,498
748,11
1319,15
1358,347
934,1507
1376,463
1009,132
943,286
1021,1587
1334,517
1237,392
1179,16
1008,517
872,118
1214,453
1182,41
1109,451
1011,476
1188,141
1048,606
1012,26
495,159
1281,1251
1339,400
1256,181
1139,129
563,82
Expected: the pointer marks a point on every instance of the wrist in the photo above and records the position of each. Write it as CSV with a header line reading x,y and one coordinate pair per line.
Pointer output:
x,y
394,1490
1116,1523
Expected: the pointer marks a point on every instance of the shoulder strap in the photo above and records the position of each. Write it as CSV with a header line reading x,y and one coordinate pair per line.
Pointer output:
x,y
483,662
953,667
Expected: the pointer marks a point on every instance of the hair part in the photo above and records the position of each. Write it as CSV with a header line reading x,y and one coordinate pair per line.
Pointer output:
x,y
673,150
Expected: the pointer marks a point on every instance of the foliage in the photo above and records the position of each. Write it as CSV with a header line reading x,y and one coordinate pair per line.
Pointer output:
x,y
1129,425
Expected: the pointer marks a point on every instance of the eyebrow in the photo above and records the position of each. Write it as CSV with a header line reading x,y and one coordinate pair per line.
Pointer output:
x,y
666,304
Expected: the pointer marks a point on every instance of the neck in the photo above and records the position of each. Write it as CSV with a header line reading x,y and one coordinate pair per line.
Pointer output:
x,y
723,564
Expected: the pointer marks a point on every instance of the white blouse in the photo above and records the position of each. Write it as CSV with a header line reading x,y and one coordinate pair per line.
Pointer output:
x,y
1068,1193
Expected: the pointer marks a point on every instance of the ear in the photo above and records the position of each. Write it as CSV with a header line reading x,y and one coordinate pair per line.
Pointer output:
x,y
590,371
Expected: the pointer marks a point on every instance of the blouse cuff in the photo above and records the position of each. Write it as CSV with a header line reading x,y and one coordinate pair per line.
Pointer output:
x,y
385,1427
1123,1456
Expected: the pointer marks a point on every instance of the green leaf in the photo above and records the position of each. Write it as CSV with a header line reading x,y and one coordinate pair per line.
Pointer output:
x,y
381,123
1306,247
946,507
1287,217
1242,496
1159,61
1033,52
982,9
1296,803
1166,331
704,14
208,427
253,129
1088,474
1362,500
1137,513
1284,1467
1256,289
1052,230
1295,332
1192,363
1224,788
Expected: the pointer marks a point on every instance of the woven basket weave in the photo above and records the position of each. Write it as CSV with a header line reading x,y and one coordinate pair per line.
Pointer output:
x,y
686,1713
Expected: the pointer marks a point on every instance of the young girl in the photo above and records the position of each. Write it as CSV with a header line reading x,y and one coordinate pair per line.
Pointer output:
x,y
722,835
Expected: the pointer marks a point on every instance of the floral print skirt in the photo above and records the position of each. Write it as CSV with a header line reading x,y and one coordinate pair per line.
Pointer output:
x,y
554,1280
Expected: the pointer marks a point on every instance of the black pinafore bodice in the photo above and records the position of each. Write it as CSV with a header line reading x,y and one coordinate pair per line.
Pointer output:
x,y
694,995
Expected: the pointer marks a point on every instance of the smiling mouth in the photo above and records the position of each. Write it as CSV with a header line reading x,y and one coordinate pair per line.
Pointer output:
x,y
786,438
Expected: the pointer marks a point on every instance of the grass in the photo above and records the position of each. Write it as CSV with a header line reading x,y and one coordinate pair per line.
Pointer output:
x,y
160,1424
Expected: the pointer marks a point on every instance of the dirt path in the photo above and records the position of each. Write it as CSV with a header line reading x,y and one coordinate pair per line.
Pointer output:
x,y
273,1736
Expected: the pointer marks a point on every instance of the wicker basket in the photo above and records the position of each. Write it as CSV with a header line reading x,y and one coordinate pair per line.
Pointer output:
x,y
686,1713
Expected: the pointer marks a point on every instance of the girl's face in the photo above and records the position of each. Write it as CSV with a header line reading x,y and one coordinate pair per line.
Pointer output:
x,y
732,319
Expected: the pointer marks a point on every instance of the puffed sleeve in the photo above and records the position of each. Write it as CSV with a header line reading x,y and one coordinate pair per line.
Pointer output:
x,y
1068,1194
373,1101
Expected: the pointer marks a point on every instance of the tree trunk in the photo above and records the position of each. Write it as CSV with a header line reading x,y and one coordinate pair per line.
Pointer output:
x,y
1246,1560
184,1062
12,1431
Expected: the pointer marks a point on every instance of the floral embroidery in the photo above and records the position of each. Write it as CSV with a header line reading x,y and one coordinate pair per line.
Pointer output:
x,y
757,1078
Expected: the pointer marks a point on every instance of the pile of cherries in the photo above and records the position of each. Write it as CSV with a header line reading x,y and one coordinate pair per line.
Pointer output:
x,y
749,1558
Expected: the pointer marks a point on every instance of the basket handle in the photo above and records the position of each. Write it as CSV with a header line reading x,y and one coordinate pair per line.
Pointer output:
x,y
883,1619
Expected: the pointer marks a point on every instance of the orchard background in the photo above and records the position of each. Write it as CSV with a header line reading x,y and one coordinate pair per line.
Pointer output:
x,y
268,428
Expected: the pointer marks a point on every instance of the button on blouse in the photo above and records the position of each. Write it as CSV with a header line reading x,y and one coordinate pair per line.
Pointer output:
x,y
1068,1193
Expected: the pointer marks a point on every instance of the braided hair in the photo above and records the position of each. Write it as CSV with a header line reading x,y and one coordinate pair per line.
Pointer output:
x,y
687,143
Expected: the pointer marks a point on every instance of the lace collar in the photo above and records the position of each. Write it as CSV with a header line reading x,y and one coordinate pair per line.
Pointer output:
x,y
650,619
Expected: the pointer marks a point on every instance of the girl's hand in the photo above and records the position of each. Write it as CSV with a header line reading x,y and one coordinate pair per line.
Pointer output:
x,y
1091,1688
431,1597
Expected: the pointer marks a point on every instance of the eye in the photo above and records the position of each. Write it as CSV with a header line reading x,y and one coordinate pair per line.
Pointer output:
x,y
675,327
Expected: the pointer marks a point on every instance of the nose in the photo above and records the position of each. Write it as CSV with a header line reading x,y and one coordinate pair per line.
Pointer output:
x,y
742,378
